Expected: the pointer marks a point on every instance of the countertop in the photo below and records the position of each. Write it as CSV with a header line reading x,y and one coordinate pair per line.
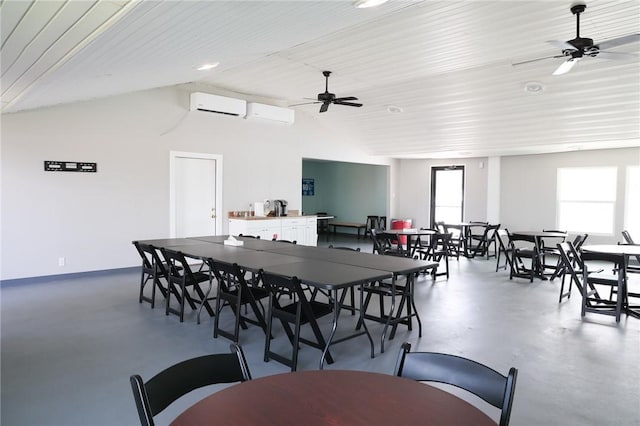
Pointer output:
x,y
270,217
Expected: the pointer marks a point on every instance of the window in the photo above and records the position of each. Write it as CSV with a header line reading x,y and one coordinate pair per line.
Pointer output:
x,y
632,202
586,199
447,194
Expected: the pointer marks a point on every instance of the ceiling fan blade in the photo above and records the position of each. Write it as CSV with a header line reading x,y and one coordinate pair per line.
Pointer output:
x,y
562,44
537,59
324,107
616,55
619,41
566,66
305,103
348,98
348,104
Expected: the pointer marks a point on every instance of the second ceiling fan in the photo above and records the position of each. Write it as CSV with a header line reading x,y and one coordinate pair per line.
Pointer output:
x,y
579,48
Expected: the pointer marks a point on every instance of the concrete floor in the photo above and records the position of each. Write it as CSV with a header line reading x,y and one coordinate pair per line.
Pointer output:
x,y
69,345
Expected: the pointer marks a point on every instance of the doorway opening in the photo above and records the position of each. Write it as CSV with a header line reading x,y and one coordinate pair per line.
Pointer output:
x,y
447,194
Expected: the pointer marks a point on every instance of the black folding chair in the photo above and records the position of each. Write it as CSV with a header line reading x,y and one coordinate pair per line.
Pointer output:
x,y
572,267
298,312
525,257
235,292
181,278
483,381
153,396
504,248
153,269
614,275
480,244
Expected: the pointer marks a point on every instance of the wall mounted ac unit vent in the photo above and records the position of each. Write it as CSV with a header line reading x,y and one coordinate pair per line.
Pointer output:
x,y
270,112
218,104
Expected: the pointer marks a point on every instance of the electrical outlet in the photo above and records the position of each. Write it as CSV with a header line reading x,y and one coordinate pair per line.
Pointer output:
x,y
61,261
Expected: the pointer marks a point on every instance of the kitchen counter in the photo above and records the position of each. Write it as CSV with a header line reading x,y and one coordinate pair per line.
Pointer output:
x,y
270,217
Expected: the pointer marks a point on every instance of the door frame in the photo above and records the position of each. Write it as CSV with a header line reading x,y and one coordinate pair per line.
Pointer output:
x,y
432,196
173,156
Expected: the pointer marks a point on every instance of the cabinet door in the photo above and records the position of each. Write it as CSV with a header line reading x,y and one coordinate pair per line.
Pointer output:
x,y
271,228
311,232
237,227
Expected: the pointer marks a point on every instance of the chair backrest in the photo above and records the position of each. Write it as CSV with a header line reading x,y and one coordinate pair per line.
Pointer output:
x,y
177,266
146,253
440,242
570,259
285,241
277,285
386,244
164,388
483,381
257,237
331,246
228,275
627,237
579,240
373,222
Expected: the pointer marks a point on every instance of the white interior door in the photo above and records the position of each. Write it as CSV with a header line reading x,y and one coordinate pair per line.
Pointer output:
x,y
195,194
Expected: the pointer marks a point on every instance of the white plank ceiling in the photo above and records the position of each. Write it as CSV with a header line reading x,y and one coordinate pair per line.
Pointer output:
x,y
447,65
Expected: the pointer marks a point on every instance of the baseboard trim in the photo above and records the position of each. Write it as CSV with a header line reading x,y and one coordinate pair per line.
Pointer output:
x,y
60,277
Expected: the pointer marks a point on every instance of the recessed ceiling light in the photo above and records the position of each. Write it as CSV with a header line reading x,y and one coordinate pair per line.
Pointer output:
x,y
533,87
361,4
206,67
394,109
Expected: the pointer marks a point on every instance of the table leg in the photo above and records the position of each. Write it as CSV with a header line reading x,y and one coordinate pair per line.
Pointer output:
x,y
334,326
390,315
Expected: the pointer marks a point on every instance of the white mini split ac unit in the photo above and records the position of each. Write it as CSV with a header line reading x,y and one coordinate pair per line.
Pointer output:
x,y
270,112
218,104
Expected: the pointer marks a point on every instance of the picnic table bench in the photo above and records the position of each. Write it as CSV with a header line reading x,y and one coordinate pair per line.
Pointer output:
x,y
352,225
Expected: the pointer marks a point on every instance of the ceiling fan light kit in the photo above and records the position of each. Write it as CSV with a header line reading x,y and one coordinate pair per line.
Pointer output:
x,y
362,4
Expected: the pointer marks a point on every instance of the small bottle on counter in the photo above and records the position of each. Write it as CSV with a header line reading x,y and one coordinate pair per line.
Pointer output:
x,y
251,209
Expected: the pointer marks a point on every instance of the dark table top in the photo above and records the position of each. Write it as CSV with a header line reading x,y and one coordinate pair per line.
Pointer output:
x,y
392,264
327,275
168,242
334,397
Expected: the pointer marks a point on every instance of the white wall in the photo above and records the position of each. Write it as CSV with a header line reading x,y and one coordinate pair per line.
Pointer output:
x,y
413,189
528,187
91,219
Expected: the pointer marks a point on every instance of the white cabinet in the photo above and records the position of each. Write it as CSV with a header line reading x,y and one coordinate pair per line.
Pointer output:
x,y
294,230
302,229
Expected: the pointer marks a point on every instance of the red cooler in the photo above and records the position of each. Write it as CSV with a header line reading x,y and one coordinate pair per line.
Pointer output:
x,y
401,224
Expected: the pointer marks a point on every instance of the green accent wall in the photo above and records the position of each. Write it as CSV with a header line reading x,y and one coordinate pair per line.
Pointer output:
x,y
348,191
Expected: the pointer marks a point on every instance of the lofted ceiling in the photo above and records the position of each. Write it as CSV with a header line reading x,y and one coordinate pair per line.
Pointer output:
x,y
445,67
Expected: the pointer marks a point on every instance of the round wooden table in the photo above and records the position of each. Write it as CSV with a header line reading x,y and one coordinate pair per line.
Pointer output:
x,y
332,397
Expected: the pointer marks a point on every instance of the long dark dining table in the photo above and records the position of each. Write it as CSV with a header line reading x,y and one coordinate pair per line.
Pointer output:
x,y
627,250
397,266
332,397
324,274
